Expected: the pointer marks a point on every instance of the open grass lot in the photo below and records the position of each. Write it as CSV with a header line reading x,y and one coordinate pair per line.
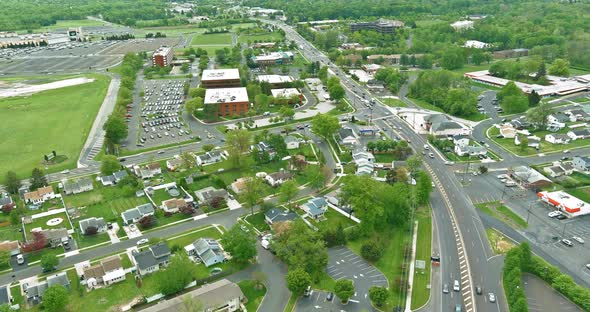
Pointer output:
x,y
170,31
580,193
500,243
187,238
426,105
252,293
243,25
37,80
334,219
393,102
212,48
257,220
264,37
503,213
384,158
42,223
420,290
206,39
55,120
395,239
544,147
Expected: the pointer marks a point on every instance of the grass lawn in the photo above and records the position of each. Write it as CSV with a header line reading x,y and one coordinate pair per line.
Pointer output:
x,y
334,219
325,282
384,158
500,243
91,240
214,39
187,238
243,25
37,80
252,293
54,120
395,239
581,193
393,102
161,195
577,178
291,304
212,48
42,223
257,220
263,37
420,290
503,213
426,105
472,68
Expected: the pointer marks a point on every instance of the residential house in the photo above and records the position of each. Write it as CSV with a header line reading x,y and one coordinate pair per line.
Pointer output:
x,y
5,200
292,142
578,115
262,147
347,137
222,295
461,140
279,215
558,169
148,171
529,178
174,163
239,185
40,195
151,259
520,123
359,156
76,187
579,134
315,207
442,125
508,131
56,237
208,194
278,178
109,271
113,178
211,157
207,249
135,214
5,295
557,138
462,150
533,141
364,163
173,205
557,120
98,223
34,293
581,163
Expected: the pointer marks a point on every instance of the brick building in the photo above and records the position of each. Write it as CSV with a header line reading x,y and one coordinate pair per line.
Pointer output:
x,y
162,57
220,78
226,101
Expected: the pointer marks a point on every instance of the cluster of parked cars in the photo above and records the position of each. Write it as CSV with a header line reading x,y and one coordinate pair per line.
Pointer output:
x,y
569,243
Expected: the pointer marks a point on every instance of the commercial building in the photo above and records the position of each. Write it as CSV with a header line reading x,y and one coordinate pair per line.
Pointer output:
x,y
381,26
510,53
220,78
474,44
566,203
462,25
287,93
227,101
162,57
276,81
273,58
392,59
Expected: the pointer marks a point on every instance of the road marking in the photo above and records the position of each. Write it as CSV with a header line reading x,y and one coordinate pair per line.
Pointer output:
x,y
463,272
466,281
355,301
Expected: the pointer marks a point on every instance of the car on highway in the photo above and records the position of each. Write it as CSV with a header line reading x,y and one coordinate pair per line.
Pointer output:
x,y
160,152
478,290
491,297
588,266
554,214
567,242
142,241
65,171
456,286
578,239
458,308
445,288
449,163
431,155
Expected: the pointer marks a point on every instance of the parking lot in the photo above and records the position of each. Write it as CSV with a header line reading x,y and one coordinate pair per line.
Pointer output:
x,y
541,297
317,301
159,117
138,45
345,264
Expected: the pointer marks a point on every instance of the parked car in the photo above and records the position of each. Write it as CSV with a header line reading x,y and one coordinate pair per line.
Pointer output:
x,y
561,217
578,239
567,242
20,259
458,308
330,296
142,241
554,214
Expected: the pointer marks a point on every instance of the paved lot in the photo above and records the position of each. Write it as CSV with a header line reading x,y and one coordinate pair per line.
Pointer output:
x,y
139,45
345,264
542,298
317,302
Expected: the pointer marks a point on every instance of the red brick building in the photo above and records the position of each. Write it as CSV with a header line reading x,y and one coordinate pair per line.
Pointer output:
x,y
227,101
220,78
162,57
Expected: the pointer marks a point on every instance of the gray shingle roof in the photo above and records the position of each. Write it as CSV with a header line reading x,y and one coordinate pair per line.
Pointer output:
x,y
279,215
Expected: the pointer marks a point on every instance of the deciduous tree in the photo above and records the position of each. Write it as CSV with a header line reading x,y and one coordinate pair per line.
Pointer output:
x,y
49,262
179,273
109,164
238,142
298,280
325,125
288,191
241,245
55,298
378,295
38,179
12,182
115,129
344,289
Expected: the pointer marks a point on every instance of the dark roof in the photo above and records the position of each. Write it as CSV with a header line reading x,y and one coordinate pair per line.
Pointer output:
x,y
160,250
4,296
72,186
345,132
120,174
279,215
59,279
581,132
95,222
5,200
145,259
145,208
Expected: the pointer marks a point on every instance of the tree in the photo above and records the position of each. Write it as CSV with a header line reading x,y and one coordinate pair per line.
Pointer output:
x,y
184,68
288,191
300,247
298,280
38,242
413,163
55,298
423,187
515,104
260,278
325,125
193,104
534,98
524,143
337,92
253,187
286,112
317,178
241,245
483,169
38,179
238,142
14,217
538,115
91,230
378,295
560,67
115,129
147,222
208,147
179,273
344,289
188,159
49,262
12,182
371,251
109,165
452,58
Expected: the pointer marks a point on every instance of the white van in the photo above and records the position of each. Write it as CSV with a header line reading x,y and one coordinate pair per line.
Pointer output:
x,y
456,286
265,244
510,183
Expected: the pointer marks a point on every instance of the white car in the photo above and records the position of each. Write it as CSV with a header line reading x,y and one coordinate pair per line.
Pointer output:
x,y
142,241
492,297
554,214
578,239
20,259
503,176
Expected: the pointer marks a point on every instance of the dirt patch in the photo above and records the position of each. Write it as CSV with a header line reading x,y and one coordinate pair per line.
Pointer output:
x,y
500,243
20,89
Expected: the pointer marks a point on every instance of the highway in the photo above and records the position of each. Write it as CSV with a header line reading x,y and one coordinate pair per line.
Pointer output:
x,y
465,251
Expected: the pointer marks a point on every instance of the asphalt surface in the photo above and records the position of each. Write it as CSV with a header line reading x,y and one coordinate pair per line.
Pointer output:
x,y
542,298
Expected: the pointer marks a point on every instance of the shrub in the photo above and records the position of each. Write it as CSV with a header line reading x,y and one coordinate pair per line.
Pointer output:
x,y
371,251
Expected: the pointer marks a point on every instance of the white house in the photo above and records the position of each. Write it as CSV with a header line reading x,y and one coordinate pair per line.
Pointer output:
x,y
278,178
579,134
347,137
109,271
98,223
557,138
148,171
461,140
315,207
211,157
174,163
466,150
474,44
40,195
292,142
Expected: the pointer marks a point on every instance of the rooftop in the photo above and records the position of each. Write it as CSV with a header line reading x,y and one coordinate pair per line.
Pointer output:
x,y
163,51
284,92
275,79
220,74
226,95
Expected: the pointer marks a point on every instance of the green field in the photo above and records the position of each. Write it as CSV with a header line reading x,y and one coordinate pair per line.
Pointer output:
x,y
263,37
70,23
502,213
55,120
212,39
